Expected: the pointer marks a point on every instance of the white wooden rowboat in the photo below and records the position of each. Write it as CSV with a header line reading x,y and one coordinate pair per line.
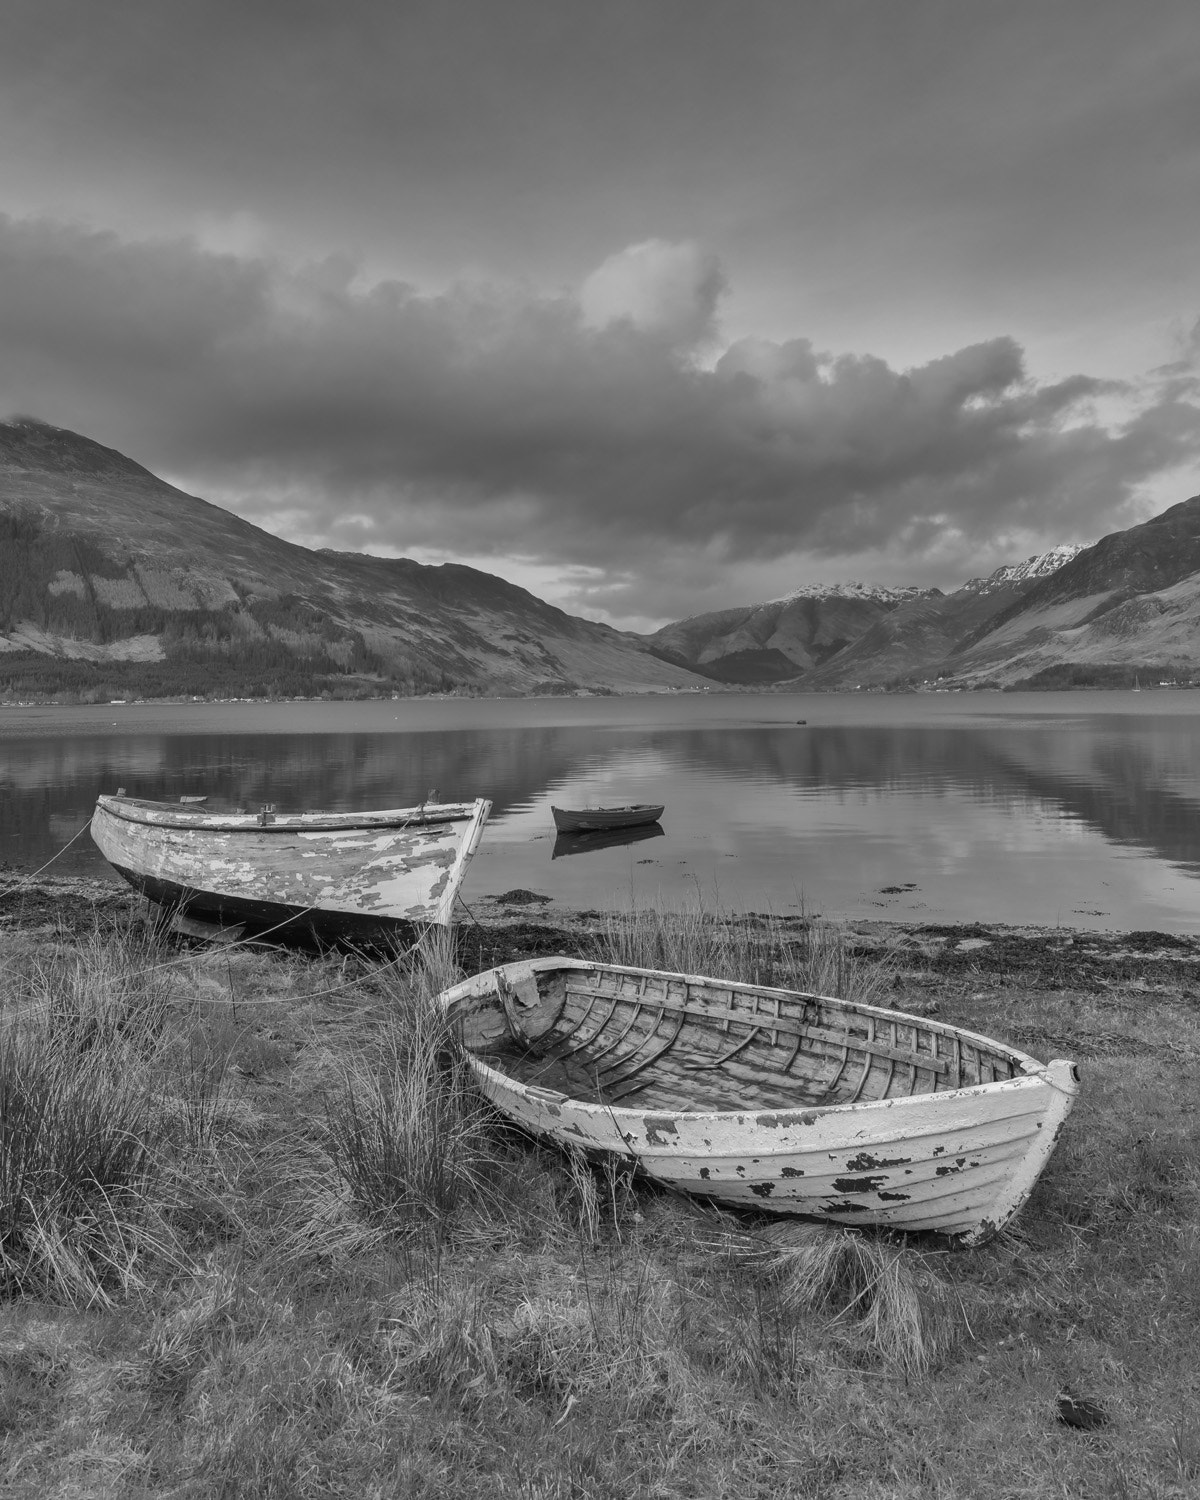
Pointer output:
x,y
359,876
766,1098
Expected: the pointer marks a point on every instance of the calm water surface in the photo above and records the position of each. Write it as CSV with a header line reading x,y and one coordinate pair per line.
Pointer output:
x,y
1081,809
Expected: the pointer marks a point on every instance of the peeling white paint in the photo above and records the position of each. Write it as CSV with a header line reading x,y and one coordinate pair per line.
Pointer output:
x,y
403,865
957,1160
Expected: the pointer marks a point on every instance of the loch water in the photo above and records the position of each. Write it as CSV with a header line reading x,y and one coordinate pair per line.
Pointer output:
x,y
1076,809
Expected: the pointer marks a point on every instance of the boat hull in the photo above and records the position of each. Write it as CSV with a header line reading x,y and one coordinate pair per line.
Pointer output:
x,y
955,1161
335,876
603,819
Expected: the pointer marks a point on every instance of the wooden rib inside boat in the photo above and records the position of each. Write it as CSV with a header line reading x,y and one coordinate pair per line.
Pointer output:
x,y
768,1098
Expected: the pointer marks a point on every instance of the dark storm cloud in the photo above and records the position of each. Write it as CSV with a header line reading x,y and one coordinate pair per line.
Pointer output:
x,y
562,428
872,172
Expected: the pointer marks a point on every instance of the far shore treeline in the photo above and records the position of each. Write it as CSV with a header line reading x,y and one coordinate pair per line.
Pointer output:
x,y
31,677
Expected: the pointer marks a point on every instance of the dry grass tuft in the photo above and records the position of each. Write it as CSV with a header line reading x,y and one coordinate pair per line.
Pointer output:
x,y
97,993
183,1340
898,1308
76,1164
200,1068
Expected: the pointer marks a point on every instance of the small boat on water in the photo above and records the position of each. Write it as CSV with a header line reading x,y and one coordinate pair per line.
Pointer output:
x,y
767,1099
601,819
360,876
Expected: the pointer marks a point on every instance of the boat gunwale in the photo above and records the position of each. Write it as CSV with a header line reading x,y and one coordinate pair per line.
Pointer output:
x,y
624,807
1033,1072
169,816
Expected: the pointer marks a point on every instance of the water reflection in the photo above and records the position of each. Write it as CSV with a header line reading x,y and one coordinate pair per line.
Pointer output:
x,y
1019,811
607,838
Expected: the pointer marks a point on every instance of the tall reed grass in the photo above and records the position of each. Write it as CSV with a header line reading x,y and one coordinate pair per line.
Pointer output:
x,y
100,991
407,1129
808,954
114,1068
80,1115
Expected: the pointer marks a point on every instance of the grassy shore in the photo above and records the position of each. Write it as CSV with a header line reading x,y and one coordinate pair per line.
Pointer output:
x,y
259,1236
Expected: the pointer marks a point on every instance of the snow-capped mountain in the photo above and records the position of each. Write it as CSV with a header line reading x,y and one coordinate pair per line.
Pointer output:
x,y
858,634
1040,566
780,638
855,590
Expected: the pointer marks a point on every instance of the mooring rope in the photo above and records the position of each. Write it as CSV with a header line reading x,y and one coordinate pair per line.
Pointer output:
x,y
28,879
242,942
474,919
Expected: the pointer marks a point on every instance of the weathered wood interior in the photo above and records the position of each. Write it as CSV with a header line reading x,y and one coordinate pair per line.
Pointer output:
x,y
658,1040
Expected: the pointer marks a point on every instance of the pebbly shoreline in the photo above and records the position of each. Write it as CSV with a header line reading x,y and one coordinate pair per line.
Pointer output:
x,y
523,923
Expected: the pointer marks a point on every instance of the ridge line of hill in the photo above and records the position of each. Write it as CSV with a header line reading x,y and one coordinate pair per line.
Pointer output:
x,y
115,583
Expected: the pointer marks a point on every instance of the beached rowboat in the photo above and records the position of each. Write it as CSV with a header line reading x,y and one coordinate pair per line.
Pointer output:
x,y
601,819
359,876
766,1098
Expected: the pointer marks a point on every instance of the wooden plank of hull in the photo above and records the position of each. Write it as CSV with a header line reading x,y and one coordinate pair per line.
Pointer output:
x,y
959,1161
352,879
277,919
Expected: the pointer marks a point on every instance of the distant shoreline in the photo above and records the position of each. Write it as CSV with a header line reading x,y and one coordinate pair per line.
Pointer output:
x,y
718,689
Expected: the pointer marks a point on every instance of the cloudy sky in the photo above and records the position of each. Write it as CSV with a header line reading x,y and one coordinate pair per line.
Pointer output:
x,y
653,306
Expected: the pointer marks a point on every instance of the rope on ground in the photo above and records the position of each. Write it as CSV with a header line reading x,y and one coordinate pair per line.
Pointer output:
x,y
187,958
338,988
293,1000
475,922
190,958
251,939
243,942
474,919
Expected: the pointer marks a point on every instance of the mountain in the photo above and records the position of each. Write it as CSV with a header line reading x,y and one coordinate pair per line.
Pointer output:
x,y
1093,616
778,640
1024,572
1131,602
877,592
1089,617
112,580
912,642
